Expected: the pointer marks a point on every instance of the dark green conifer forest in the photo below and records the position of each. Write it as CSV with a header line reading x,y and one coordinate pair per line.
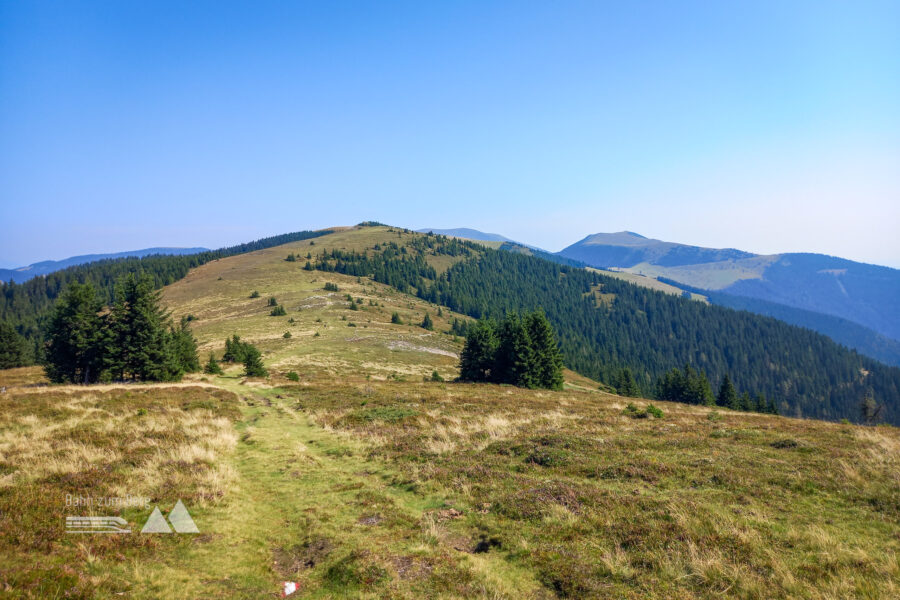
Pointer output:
x,y
605,324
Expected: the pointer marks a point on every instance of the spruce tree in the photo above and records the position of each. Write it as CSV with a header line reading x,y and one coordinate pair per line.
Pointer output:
x,y
698,390
625,384
138,347
547,369
395,319
728,397
212,366
688,386
253,364
13,349
476,362
459,328
515,362
760,404
670,386
185,347
234,349
75,347
427,323
706,396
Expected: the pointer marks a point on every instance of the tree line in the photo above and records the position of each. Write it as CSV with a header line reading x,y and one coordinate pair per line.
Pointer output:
x,y
692,387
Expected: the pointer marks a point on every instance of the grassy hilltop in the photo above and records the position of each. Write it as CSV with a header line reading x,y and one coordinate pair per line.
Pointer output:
x,y
361,480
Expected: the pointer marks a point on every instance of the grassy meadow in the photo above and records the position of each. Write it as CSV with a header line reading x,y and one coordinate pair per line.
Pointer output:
x,y
327,338
361,480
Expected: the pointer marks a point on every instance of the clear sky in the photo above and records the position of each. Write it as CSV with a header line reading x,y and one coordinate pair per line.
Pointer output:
x,y
764,126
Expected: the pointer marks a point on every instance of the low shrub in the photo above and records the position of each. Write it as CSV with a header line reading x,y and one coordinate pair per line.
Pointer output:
x,y
642,413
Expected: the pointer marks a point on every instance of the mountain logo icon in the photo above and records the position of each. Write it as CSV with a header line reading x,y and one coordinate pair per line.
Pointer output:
x,y
180,519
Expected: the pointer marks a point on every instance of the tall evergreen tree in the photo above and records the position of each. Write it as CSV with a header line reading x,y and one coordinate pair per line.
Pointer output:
x,y
515,362
74,351
671,386
234,349
699,388
427,323
547,359
625,383
185,347
476,362
13,348
138,347
728,396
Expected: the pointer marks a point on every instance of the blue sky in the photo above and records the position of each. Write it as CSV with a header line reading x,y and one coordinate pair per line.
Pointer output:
x,y
765,126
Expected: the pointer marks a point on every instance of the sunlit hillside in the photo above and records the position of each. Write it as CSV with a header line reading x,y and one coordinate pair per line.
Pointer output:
x,y
327,337
363,480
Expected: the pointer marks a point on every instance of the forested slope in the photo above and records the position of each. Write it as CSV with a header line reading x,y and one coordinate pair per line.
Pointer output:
x,y
26,306
605,324
850,334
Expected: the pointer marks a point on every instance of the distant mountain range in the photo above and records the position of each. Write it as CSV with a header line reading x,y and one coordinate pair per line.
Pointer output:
x,y
865,294
49,266
626,249
469,234
854,303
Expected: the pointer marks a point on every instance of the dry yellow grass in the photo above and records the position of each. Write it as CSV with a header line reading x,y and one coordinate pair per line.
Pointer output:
x,y
322,341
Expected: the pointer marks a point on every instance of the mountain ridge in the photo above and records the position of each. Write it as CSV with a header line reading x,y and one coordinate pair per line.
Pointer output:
x,y
804,284
469,234
858,292
44,267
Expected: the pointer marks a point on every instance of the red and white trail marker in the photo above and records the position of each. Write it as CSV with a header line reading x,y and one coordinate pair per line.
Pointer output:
x,y
289,588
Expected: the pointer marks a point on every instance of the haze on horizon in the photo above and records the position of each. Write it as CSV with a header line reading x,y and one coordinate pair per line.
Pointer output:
x,y
769,128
